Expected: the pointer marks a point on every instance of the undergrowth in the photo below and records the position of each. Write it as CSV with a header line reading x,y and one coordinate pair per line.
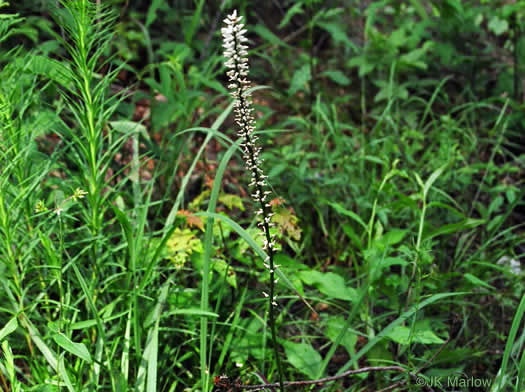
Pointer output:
x,y
384,142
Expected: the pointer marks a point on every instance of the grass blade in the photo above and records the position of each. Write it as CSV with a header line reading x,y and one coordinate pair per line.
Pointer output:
x,y
208,242
498,384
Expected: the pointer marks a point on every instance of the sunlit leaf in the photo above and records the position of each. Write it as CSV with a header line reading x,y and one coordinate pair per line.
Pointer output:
x,y
77,349
287,222
231,201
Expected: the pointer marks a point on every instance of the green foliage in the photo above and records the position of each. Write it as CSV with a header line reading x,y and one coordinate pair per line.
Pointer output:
x,y
181,245
392,135
303,357
329,283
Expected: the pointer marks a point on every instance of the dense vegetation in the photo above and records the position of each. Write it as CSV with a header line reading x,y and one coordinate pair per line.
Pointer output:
x,y
392,138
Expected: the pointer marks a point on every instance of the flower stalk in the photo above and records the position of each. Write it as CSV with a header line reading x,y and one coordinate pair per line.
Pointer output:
x,y
235,51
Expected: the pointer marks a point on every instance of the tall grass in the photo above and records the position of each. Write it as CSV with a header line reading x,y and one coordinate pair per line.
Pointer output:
x,y
129,254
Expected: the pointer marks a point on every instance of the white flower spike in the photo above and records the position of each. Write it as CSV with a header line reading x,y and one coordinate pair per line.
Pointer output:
x,y
235,52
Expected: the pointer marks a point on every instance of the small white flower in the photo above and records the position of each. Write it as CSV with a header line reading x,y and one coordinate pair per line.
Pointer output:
x,y
514,265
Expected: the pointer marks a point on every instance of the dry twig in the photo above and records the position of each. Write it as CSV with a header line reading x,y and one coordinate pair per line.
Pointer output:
x,y
224,382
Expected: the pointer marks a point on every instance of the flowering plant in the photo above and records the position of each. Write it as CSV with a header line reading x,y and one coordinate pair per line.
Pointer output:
x,y
236,54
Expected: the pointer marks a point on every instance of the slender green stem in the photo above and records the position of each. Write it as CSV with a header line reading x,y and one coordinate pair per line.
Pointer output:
x,y
266,214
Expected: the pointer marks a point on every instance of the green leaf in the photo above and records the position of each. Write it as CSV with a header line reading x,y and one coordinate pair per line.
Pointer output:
x,y
495,205
162,113
181,245
149,363
390,238
415,57
222,268
509,348
334,326
380,353
338,77
398,38
303,357
268,35
127,126
420,9
85,324
9,360
9,328
152,12
231,201
394,324
495,222
338,35
511,195
286,261
299,79
453,6
350,233
77,349
477,281
365,67
378,265
290,267
330,284
340,209
498,26
258,250
294,10
194,312
421,334
62,372
433,177
287,222
454,227
208,245
57,71
388,91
